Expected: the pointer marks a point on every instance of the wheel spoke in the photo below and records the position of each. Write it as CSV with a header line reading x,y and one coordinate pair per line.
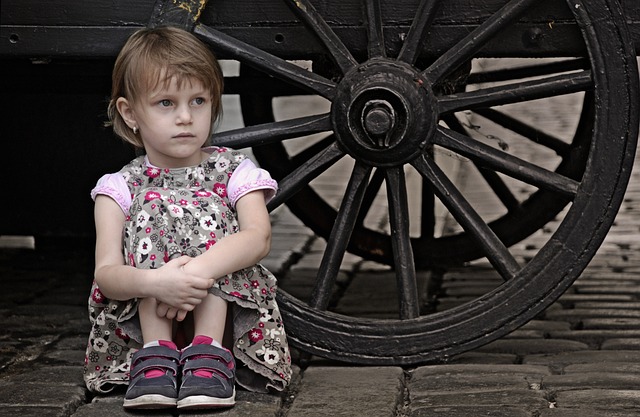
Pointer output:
x,y
370,195
339,238
535,135
495,251
301,176
465,49
489,157
401,242
528,71
266,62
517,92
273,132
496,183
375,35
312,19
416,37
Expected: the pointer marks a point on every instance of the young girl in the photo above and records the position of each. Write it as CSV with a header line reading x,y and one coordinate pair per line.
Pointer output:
x,y
179,233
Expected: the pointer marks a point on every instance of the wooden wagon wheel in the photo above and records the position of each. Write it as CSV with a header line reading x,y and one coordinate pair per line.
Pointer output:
x,y
386,115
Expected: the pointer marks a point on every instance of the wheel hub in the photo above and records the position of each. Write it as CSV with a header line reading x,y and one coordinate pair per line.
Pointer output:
x,y
382,115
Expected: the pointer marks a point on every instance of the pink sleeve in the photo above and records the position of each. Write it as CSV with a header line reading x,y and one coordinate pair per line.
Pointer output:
x,y
114,186
248,177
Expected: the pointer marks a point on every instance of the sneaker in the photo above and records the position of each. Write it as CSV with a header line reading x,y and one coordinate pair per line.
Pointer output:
x,y
158,391
197,391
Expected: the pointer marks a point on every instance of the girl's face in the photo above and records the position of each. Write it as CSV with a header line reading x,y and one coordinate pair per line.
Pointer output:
x,y
174,123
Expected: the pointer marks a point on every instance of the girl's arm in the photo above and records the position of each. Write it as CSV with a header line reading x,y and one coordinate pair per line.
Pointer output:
x,y
242,249
170,284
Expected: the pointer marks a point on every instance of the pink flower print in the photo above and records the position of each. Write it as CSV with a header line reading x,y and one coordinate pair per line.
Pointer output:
x,y
236,294
210,243
221,150
147,230
220,189
255,284
122,335
202,193
152,257
183,202
132,260
151,195
255,335
153,172
97,296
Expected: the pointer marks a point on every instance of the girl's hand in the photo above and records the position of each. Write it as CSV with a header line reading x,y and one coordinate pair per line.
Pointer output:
x,y
165,310
177,291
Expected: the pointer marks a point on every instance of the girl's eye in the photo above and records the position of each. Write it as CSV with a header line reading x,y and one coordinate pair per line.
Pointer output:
x,y
165,103
199,101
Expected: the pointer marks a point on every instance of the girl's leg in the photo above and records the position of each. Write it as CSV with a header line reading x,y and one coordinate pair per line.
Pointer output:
x,y
210,317
153,327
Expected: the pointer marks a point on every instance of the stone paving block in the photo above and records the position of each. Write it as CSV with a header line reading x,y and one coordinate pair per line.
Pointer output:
x,y
629,343
611,323
546,325
475,377
582,412
608,305
604,380
348,391
470,411
525,399
622,367
532,346
585,356
32,411
602,399
632,290
62,375
40,394
474,357
594,338
573,298
579,314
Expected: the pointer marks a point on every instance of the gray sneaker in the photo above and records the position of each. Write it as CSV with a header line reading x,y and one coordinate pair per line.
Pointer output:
x,y
200,392
157,392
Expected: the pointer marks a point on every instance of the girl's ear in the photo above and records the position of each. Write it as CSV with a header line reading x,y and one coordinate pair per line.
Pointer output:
x,y
126,112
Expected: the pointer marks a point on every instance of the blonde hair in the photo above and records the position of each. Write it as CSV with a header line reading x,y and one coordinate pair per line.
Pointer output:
x,y
152,56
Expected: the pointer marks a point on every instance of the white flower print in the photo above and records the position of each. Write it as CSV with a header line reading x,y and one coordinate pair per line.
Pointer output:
x,y
272,333
271,356
142,218
99,344
208,223
175,211
264,315
145,246
222,164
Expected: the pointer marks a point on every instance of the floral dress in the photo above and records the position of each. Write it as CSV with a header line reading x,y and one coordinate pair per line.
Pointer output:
x,y
184,211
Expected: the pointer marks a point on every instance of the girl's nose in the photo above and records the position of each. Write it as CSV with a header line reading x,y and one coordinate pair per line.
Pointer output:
x,y
184,115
